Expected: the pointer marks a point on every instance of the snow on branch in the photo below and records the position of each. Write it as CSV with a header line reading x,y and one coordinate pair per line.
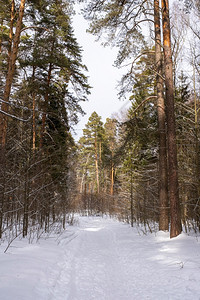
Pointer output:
x,y
14,117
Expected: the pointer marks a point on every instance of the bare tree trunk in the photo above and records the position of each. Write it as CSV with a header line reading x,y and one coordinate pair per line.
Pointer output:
x,y
85,196
33,117
10,74
46,98
2,199
131,194
1,35
197,146
175,214
26,206
12,17
96,164
163,180
34,127
112,180
84,176
112,173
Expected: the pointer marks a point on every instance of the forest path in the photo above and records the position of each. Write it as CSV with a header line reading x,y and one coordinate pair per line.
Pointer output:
x,y
107,260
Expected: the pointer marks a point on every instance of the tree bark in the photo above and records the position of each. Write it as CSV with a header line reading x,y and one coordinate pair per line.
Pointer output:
x,y
10,74
44,114
96,164
1,35
33,116
131,190
163,178
197,146
175,215
46,99
112,179
12,17
112,170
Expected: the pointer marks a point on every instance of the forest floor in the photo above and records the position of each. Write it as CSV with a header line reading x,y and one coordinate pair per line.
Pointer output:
x,y
101,259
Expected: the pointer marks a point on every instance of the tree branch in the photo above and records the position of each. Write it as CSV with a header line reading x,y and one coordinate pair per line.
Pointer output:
x,y
14,117
142,103
34,27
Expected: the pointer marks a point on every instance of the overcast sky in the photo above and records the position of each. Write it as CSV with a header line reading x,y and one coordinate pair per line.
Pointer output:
x,y
103,77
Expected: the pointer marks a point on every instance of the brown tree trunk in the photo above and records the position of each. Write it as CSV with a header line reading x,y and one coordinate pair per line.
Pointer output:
x,y
197,148
112,180
1,35
26,205
112,171
96,164
46,98
163,180
12,17
2,197
10,74
175,214
33,117
131,190
34,127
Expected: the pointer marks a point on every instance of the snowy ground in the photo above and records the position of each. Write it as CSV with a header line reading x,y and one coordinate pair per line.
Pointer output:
x,y
102,259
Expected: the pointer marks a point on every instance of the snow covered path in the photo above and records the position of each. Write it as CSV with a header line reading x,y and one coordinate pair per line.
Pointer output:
x,y
103,259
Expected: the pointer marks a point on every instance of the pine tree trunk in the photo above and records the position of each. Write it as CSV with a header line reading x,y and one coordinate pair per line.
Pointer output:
x,y
46,98
112,177
175,214
131,190
12,17
10,74
163,179
197,148
33,117
2,199
26,200
1,35
96,164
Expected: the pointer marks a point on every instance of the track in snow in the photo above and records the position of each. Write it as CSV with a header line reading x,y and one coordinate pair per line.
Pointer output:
x,y
106,260
93,266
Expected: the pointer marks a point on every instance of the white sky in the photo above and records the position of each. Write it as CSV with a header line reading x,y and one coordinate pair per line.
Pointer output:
x,y
103,76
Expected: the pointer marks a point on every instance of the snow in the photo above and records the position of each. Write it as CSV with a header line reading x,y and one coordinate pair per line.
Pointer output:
x,y
101,259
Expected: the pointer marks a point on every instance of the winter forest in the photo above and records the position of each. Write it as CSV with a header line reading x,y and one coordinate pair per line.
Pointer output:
x,y
142,167
136,169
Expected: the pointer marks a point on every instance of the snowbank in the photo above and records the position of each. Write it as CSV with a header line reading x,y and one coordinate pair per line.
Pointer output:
x,y
101,259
